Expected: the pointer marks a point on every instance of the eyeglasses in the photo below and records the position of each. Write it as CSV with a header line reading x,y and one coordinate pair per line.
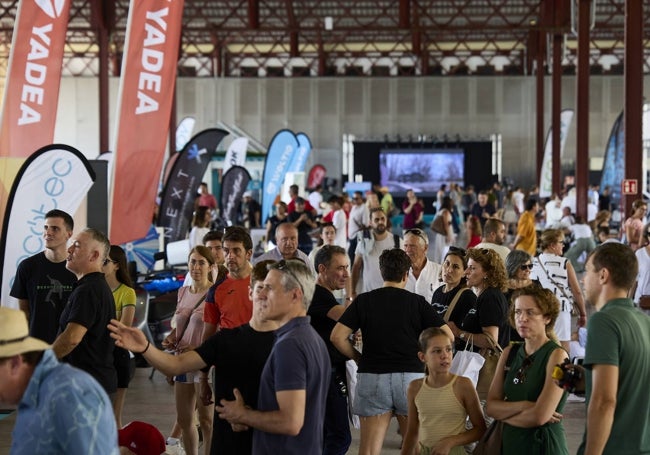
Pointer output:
x,y
526,266
109,260
419,232
283,266
520,376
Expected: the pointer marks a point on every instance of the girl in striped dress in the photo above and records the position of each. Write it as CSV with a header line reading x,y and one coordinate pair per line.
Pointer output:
x,y
438,404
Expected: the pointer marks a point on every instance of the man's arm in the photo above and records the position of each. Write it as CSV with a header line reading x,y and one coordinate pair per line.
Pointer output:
x,y
288,419
602,404
23,304
135,341
68,339
340,338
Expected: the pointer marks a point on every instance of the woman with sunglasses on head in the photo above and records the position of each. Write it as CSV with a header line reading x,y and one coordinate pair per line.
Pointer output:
x,y
117,276
487,321
455,291
518,267
526,397
556,273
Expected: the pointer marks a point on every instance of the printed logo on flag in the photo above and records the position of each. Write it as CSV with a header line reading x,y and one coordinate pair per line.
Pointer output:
x,y
51,8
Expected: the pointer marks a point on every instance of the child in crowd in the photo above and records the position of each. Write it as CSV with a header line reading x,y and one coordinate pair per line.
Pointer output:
x,y
438,404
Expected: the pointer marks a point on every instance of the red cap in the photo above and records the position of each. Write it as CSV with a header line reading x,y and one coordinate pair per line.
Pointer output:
x,y
142,438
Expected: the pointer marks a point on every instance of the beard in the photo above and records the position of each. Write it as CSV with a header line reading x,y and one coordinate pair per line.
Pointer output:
x,y
379,229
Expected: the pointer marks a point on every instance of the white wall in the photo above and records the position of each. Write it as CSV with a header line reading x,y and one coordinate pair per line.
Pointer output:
x,y
326,108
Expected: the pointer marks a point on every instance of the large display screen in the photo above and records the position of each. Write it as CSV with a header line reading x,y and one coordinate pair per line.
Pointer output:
x,y
422,170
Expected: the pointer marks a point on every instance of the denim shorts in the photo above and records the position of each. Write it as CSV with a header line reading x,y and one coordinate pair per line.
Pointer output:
x,y
381,393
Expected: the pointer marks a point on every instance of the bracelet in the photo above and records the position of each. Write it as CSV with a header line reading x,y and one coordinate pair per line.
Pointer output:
x,y
145,349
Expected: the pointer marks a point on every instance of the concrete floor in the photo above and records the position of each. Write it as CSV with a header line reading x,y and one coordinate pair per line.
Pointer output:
x,y
153,401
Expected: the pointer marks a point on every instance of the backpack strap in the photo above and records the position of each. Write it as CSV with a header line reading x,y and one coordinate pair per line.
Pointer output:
x,y
396,240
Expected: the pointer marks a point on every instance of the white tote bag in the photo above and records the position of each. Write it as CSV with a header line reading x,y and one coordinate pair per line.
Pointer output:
x,y
468,363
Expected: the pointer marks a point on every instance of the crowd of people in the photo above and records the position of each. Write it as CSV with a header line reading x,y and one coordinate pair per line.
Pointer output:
x,y
275,351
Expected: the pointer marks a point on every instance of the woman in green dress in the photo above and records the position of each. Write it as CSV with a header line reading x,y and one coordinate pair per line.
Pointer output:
x,y
525,397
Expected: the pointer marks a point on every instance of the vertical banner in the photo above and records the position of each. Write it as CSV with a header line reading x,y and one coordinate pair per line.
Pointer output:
x,y
278,157
614,161
145,102
316,176
55,177
236,154
184,132
233,185
31,92
299,160
546,177
179,192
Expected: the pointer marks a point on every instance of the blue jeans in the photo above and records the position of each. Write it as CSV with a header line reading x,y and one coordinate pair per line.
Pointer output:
x,y
336,428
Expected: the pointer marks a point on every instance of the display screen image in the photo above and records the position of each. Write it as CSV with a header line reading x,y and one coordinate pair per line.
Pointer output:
x,y
423,170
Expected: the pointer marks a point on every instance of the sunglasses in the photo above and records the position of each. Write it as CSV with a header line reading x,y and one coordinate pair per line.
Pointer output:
x,y
520,376
526,266
284,266
419,232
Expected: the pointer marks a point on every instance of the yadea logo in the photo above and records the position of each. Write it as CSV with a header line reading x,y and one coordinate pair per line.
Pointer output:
x,y
52,8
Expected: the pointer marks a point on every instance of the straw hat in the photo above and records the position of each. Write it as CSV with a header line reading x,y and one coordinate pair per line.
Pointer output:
x,y
14,334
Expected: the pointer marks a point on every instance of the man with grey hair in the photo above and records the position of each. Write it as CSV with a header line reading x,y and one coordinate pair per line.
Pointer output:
x,y
295,379
424,276
286,239
84,340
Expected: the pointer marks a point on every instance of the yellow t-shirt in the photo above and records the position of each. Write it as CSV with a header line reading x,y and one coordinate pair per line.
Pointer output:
x,y
124,296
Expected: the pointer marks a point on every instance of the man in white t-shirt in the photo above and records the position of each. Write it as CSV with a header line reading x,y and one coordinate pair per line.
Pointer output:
x,y
315,198
494,237
583,242
366,258
424,275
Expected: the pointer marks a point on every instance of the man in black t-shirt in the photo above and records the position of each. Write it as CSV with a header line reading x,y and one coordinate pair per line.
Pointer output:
x,y
43,284
238,355
83,340
333,267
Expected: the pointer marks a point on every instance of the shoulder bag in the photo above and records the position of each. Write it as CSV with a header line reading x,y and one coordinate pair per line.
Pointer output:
x,y
491,441
453,303
491,355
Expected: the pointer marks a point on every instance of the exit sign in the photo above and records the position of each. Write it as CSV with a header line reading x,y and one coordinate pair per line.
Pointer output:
x,y
630,186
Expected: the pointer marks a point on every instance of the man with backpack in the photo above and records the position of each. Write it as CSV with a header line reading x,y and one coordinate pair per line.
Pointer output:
x,y
366,257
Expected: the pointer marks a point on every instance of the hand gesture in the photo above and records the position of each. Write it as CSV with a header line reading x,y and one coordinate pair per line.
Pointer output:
x,y
232,411
127,337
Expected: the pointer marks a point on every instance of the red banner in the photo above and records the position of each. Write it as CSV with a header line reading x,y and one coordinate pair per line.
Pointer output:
x,y
145,102
32,85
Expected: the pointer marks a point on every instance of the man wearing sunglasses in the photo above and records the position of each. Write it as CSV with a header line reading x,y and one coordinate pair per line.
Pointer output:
x,y
424,276
295,380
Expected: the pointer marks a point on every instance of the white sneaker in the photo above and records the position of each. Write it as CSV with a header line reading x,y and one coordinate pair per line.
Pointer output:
x,y
573,398
174,447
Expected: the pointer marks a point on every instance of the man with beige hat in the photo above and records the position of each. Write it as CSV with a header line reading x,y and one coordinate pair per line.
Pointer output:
x,y
61,409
